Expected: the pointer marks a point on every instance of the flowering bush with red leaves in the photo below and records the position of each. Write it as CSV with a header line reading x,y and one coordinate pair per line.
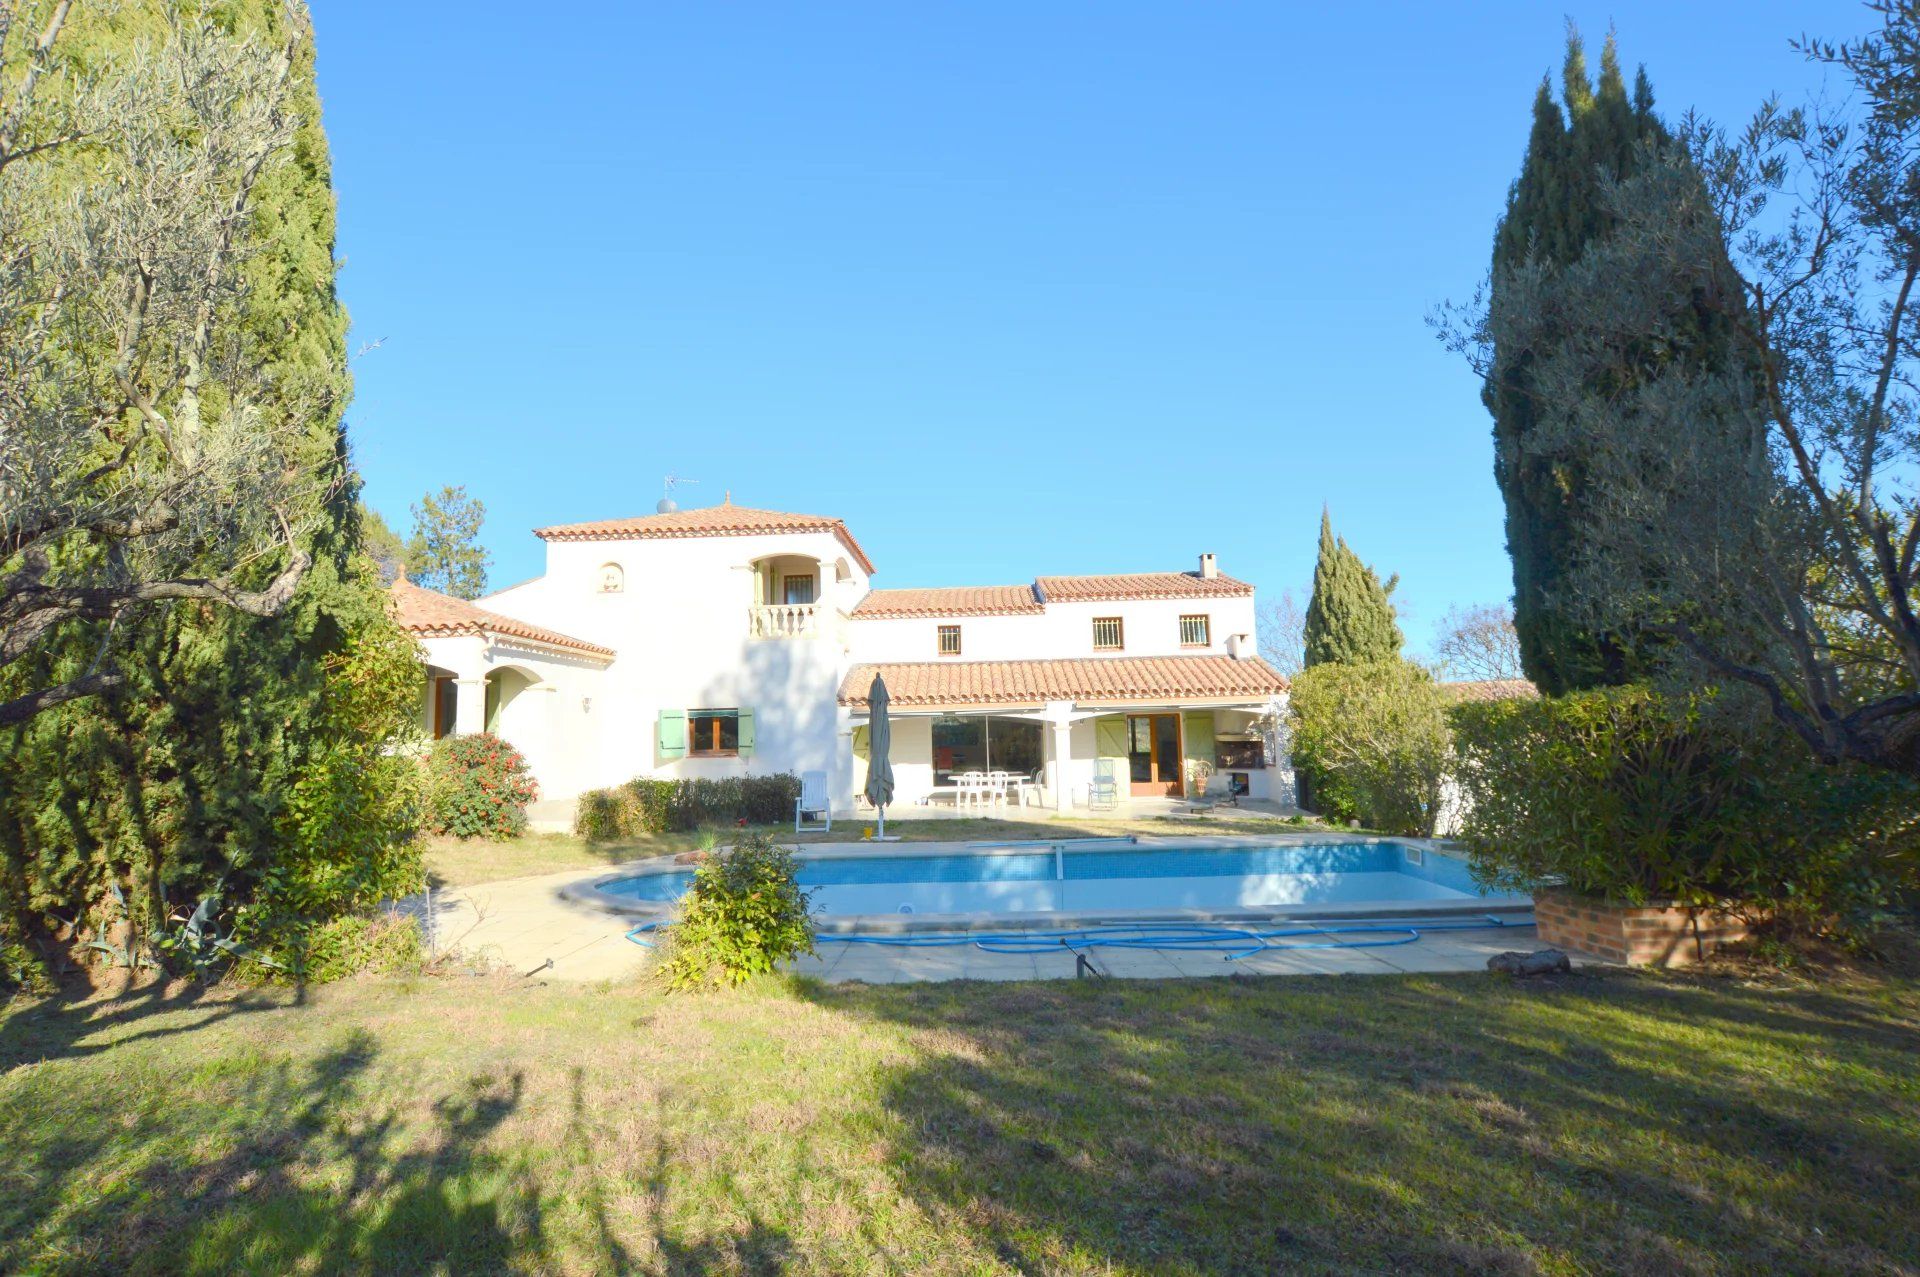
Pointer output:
x,y
478,787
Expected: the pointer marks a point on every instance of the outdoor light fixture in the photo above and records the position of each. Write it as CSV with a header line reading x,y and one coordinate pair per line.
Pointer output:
x,y
586,704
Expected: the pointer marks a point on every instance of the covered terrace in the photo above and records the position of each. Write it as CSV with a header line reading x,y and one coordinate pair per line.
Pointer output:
x,y
1157,727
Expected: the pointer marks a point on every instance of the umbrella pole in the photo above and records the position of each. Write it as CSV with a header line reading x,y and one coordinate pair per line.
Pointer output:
x,y
882,836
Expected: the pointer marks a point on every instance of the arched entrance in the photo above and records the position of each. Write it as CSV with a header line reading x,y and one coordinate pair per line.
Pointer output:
x,y
508,707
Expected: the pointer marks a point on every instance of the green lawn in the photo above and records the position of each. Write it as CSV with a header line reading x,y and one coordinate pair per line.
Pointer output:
x,y
452,862
1615,1123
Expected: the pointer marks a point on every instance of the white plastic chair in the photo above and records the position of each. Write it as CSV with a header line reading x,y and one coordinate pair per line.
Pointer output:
x,y
812,800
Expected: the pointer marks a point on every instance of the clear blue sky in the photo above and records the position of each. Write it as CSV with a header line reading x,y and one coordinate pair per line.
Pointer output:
x,y
1013,288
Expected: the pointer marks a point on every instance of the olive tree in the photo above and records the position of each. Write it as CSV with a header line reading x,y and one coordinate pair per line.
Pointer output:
x,y
1761,511
135,469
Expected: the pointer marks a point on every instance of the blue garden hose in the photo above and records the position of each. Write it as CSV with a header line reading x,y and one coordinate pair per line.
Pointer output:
x,y
636,933
1231,942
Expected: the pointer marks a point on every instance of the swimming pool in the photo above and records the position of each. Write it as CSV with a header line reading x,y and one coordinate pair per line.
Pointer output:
x,y
1100,877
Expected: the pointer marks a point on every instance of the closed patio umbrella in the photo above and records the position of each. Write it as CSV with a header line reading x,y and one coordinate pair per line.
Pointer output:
x,y
879,745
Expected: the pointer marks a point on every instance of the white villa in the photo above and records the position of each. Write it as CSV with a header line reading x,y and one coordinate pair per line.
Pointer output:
x,y
727,640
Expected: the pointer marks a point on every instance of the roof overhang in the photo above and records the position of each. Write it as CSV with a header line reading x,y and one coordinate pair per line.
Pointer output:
x,y
639,530
598,655
1081,709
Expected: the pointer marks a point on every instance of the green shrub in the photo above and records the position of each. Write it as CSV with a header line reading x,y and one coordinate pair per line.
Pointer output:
x,y
1374,738
743,916
477,787
596,815
1632,795
285,801
376,944
646,806
20,969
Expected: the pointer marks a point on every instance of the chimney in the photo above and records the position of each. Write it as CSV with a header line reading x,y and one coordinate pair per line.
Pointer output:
x,y
1209,569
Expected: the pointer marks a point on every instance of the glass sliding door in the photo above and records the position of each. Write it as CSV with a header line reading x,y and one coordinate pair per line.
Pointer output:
x,y
959,745
1153,755
985,744
1013,745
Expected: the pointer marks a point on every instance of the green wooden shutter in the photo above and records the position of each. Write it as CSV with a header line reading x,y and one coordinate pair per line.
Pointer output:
x,y
1199,737
671,731
746,732
860,737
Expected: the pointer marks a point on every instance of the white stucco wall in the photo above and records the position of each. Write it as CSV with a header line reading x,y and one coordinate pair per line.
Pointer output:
x,y
681,628
1150,628
544,719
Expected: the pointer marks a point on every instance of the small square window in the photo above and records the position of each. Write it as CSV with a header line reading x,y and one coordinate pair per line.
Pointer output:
x,y
949,640
1195,631
713,731
1108,635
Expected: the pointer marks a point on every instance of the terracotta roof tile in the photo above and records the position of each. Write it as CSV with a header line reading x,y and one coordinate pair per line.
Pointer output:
x,y
1118,678
957,600
437,615
1139,585
707,521
1492,689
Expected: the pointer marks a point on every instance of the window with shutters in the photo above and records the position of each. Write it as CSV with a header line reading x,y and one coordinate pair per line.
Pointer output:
x,y
949,640
1195,631
1108,635
713,732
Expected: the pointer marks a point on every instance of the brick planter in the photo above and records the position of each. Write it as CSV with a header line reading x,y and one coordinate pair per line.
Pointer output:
x,y
1637,935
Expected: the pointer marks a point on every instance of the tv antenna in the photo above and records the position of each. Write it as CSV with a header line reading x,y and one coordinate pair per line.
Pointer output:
x,y
667,504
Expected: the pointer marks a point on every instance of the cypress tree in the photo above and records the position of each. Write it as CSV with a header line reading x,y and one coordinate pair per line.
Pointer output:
x,y
237,745
1554,211
1349,618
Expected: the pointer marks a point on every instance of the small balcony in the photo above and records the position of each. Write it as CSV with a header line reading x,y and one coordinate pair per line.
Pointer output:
x,y
783,620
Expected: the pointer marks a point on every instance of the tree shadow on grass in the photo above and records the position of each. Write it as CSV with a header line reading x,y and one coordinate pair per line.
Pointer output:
x,y
256,1163
1457,1124
296,1146
78,1023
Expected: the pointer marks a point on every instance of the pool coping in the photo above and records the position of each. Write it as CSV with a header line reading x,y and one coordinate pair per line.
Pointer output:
x,y
588,892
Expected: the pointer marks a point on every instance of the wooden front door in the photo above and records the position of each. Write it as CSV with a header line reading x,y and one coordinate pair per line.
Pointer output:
x,y
1153,755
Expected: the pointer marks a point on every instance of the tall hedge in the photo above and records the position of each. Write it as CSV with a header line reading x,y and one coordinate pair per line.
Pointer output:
x,y
1632,795
1374,737
647,806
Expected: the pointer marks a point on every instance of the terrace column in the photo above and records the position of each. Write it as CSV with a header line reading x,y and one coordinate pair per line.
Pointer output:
x,y
469,706
1057,778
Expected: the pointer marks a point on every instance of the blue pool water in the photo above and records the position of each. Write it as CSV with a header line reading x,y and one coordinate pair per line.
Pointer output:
x,y
1069,880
